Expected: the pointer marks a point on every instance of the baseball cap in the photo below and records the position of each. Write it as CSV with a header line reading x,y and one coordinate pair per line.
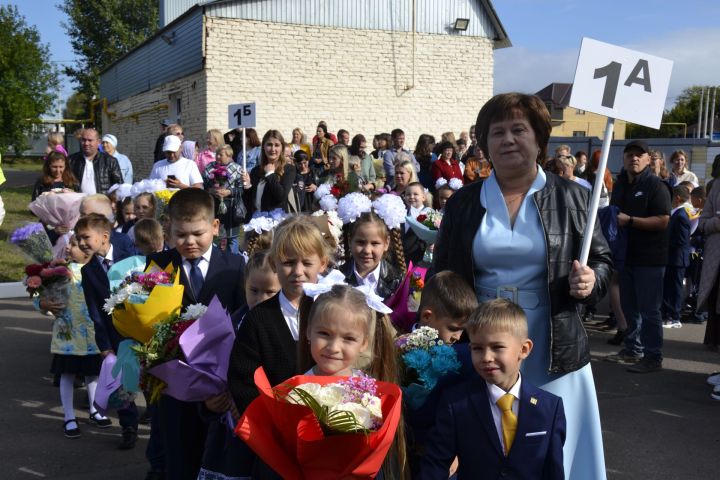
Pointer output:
x,y
172,143
639,144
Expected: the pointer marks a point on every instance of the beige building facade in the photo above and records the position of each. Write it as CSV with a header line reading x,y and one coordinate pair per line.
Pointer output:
x,y
363,80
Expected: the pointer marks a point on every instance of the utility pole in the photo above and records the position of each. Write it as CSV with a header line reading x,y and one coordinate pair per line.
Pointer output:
x,y
700,109
707,112
712,115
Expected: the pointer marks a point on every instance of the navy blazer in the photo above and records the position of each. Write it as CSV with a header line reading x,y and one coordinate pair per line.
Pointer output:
x,y
679,243
464,427
225,278
96,288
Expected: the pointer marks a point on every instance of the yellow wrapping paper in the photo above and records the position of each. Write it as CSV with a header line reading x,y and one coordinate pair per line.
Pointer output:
x,y
136,320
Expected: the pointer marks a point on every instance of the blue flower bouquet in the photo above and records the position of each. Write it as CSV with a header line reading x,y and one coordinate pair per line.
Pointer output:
x,y
34,242
424,358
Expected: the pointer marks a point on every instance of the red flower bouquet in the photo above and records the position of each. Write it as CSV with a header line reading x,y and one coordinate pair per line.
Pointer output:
x,y
290,439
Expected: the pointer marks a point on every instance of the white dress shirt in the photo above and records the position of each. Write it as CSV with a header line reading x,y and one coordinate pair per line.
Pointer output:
x,y
87,183
203,264
290,313
109,257
370,279
494,394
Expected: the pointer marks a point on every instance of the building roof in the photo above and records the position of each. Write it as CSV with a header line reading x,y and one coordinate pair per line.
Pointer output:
x,y
556,93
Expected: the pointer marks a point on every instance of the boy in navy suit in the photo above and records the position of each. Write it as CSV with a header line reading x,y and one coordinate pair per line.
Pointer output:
x,y
205,271
497,424
94,238
678,258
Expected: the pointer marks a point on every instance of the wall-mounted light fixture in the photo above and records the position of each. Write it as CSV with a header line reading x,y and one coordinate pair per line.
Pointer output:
x,y
461,24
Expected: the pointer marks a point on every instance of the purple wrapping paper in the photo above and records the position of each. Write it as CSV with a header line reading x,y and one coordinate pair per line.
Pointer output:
x,y
206,344
107,384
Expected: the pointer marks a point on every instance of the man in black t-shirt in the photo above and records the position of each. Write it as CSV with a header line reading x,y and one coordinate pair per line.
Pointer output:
x,y
644,203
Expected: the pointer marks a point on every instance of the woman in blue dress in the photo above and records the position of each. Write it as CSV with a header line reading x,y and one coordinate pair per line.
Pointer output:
x,y
523,229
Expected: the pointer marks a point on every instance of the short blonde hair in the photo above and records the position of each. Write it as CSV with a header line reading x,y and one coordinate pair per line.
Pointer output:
x,y
499,314
299,235
224,148
56,138
567,160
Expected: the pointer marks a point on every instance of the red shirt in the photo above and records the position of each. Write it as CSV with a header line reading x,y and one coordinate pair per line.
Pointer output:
x,y
440,169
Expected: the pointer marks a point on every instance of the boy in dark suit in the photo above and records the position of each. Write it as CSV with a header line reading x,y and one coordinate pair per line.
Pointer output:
x,y
205,271
678,258
93,233
497,425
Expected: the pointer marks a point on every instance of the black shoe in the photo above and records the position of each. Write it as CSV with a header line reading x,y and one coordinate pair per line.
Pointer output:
x,y
155,475
99,422
646,365
618,338
145,417
129,438
72,433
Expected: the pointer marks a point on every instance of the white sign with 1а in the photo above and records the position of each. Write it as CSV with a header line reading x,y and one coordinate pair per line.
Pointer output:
x,y
241,115
621,83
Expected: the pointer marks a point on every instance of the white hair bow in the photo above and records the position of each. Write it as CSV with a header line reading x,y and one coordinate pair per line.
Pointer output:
x,y
335,277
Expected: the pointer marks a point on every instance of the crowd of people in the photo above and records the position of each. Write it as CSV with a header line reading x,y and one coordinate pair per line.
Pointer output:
x,y
501,281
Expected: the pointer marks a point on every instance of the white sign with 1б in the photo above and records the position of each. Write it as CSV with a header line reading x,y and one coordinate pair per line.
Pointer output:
x,y
241,115
621,83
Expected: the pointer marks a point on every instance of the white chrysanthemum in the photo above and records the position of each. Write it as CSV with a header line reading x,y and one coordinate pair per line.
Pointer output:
x,y
322,190
194,311
362,414
391,209
455,183
352,205
440,182
328,203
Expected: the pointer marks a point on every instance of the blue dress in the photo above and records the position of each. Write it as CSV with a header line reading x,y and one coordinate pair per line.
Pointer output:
x,y
517,257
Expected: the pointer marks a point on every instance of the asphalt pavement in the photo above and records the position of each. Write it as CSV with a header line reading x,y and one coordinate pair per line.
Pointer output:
x,y
661,426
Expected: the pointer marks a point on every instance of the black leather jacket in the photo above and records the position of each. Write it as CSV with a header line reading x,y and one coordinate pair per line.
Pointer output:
x,y
563,212
106,168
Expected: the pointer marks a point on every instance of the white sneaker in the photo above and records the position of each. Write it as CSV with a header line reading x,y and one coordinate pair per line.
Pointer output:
x,y
675,324
667,324
714,379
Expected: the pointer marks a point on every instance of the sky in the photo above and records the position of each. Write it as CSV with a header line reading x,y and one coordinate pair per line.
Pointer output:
x,y
545,34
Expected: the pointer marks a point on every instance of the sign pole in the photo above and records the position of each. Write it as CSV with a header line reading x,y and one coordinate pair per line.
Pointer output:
x,y
244,154
597,190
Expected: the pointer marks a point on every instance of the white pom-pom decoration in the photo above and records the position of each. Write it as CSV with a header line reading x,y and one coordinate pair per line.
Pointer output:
x,y
391,209
455,183
352,205
322,190
328,203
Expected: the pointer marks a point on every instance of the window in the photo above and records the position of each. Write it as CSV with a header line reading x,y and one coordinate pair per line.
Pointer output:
x,y
579,112
579,133
176,107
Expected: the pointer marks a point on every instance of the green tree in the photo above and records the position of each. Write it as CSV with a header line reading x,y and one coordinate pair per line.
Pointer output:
x,y
77,106
101,31
27,79
684,111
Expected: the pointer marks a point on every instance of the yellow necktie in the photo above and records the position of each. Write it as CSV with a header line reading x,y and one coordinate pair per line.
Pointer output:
x,y
509,420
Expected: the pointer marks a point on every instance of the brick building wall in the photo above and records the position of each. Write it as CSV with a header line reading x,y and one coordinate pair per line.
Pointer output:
x,y
353,79
359,80
135,121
